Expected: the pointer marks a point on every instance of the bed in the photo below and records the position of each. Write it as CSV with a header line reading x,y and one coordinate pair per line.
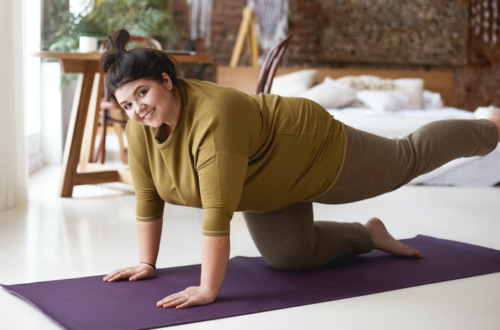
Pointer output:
x,y
435,105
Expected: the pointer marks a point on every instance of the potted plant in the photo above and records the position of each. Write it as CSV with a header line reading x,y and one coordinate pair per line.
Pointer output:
x,y
101,18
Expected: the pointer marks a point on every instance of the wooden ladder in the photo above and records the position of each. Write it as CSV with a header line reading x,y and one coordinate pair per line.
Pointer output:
x,y
247,31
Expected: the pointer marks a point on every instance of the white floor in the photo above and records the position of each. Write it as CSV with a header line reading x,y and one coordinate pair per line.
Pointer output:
x,y
94,232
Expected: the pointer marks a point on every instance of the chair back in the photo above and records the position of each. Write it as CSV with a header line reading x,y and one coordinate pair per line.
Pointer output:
x,y
145,41
271,63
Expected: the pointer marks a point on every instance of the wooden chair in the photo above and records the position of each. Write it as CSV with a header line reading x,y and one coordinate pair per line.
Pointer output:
x,y
271,63
116,114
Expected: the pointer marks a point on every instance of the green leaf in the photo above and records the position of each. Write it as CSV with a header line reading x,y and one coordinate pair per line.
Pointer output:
x,y
149,18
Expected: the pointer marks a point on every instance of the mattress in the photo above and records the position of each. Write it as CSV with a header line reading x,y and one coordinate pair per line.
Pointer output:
x,y
472,171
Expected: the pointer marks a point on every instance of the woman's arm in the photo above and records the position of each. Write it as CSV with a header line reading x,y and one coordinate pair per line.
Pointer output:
x,y
215,255
149,234
214,258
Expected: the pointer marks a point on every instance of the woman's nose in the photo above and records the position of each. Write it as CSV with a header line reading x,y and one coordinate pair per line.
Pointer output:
x,y
139,108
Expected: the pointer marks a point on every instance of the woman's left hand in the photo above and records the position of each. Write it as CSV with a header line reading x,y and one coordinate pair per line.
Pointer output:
x,y
192,296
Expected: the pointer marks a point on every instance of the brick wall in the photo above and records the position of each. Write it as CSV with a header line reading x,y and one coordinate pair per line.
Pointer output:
x,y
475,84
226,20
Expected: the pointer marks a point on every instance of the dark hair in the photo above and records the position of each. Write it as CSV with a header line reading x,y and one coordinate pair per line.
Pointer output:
x,y
122,66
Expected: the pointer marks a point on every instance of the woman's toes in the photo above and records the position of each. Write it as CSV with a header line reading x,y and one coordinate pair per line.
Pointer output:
x,y
410,252
383,241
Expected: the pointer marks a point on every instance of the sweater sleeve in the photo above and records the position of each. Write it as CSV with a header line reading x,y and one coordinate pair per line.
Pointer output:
x,y
149,205
221,163
221,179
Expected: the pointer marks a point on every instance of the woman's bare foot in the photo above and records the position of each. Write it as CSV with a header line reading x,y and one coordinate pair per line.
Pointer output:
x,y
385,242
495,118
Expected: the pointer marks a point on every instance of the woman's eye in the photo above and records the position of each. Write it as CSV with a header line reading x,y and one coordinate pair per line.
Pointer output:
x,y
142,93
127,106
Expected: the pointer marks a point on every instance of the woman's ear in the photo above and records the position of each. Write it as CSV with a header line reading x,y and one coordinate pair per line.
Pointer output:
x,y
167,82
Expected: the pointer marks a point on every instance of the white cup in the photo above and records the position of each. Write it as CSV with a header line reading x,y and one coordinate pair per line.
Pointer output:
x,y
88,44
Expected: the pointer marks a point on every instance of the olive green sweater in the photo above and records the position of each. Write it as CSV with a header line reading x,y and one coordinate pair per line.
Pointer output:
x,y
231,151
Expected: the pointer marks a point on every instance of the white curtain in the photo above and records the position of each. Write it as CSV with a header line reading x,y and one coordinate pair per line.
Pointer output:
x,y
272,22
13,165
201,19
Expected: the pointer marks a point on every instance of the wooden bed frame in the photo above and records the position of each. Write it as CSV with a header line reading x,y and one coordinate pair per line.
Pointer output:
x,y
245,78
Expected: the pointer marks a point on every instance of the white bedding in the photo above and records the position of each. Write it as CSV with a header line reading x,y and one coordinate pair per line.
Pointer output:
x,y
473,171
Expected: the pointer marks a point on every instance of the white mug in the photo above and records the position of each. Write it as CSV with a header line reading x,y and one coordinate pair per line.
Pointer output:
x,y
88,44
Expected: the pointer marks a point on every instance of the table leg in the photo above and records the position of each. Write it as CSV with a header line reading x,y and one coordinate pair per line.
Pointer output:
x,y
96,117
116,114
76,129
91,123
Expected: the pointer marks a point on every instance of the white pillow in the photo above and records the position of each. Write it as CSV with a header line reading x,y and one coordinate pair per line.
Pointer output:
x,y
411,87
485,112
293,83
356,104
386,100
432,100
330,95
364,82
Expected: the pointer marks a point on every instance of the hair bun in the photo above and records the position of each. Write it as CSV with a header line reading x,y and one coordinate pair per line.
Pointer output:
x,y
116,45
118,40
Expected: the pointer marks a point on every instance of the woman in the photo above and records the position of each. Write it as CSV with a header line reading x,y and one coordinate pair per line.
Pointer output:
x,y
197,144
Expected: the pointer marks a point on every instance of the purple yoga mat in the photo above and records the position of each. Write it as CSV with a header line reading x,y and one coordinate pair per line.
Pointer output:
x,y
250,286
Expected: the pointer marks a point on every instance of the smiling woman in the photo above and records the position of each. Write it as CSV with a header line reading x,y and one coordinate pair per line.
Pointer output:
x,y
139,63
148,102
197,144
145,84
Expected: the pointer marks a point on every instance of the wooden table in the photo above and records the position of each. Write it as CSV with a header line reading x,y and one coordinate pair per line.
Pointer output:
x,y
83,121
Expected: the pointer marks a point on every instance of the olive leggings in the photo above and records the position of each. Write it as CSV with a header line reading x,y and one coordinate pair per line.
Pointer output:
x,y
291,239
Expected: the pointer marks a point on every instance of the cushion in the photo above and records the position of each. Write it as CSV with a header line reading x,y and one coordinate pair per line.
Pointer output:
x,y
411,87
356,104
485,112
330,95
386,100
432,100
293,83
364,82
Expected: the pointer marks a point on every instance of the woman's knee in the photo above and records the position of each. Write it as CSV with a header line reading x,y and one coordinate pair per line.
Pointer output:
x,y
288,262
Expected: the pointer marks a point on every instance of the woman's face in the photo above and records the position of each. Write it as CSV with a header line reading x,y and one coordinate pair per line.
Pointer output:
x,y
148,102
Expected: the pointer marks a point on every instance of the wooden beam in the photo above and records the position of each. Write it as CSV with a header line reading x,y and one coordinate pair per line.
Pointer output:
x,y
98,173
125,176
76,128
117,114
96,117
92,177
72,66
96,57
244,32
86,153
253,42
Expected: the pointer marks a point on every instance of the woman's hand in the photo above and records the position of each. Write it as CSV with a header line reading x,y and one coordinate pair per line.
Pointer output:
x,y
133,273
215,254
149,244
192,296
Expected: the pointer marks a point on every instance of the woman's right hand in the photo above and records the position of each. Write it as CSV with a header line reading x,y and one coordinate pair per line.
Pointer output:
x,y
134,273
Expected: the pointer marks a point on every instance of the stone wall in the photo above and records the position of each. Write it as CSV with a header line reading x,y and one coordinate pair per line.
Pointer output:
x,y
475,83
